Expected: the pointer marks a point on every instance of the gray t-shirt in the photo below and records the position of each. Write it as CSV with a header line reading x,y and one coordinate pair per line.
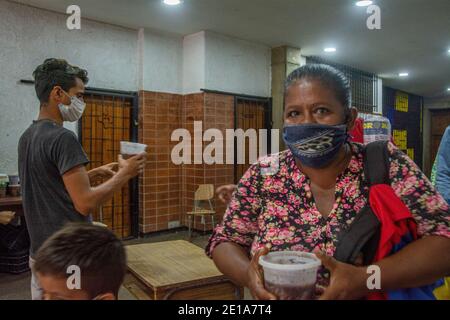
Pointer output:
x,y
46,152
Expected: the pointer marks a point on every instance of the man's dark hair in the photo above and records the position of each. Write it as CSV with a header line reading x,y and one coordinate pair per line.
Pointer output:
x,y
56,72
328,77
98,253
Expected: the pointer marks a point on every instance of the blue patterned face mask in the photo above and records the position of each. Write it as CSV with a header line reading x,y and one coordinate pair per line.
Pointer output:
x,y
315,145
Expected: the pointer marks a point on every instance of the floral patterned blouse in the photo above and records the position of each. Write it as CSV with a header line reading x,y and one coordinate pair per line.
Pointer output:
x,y
278,211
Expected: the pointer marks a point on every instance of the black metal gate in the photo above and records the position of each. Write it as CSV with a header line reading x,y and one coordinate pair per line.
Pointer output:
x,y
364,85
111,117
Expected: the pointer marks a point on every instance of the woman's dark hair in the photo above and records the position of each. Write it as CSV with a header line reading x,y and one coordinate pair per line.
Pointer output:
x,y
94,249
56,72
327,76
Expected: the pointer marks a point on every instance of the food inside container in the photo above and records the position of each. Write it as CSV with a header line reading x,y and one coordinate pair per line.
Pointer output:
x,y
290,275
3,178
129,149
14,190
13,179
3,185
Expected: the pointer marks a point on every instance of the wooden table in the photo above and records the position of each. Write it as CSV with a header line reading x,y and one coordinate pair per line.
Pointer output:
x,y
12,204
10,201
176,270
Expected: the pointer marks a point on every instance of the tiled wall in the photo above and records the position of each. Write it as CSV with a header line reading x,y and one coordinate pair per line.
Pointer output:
x,y
160,185
166,190
215,111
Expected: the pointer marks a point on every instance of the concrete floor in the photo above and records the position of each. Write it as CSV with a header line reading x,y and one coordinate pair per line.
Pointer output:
x,y
17,287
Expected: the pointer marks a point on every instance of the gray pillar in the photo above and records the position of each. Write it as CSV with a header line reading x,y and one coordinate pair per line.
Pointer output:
x,y
284,61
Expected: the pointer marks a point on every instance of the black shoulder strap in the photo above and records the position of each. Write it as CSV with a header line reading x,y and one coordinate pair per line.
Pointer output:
x,y
362,236
376,163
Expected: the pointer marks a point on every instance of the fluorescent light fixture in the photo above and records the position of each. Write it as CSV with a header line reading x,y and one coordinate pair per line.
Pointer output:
x,y
448,50
329,49
403,74
364,3
172,2
448,89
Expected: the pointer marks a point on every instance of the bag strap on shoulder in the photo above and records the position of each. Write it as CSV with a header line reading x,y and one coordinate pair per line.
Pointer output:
x,y
376,163
362,236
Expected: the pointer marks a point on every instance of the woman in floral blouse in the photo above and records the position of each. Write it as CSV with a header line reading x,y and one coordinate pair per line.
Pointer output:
x,y
317,192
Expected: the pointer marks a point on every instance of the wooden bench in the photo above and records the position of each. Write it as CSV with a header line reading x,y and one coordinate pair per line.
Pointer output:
x,y
176,270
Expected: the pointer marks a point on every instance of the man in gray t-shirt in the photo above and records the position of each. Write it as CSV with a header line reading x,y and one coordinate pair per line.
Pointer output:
x,y
46,152
56,187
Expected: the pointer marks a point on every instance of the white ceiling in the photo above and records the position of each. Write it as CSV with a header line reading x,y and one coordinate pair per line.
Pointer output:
x,y
415,34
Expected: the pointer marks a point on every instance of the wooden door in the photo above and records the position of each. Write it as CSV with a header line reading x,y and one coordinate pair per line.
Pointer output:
x,y
250,114
440,120
105,122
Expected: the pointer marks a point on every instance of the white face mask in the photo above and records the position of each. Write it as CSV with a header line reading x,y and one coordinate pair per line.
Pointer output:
x,y
74,111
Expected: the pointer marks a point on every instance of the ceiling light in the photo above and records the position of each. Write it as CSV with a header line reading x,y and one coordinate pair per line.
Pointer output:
x,y
365,3
172,2
329,49
403,74
448,89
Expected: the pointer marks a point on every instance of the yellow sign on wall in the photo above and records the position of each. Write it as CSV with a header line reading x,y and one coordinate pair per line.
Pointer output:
x,y
401,139
410,153
401,101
